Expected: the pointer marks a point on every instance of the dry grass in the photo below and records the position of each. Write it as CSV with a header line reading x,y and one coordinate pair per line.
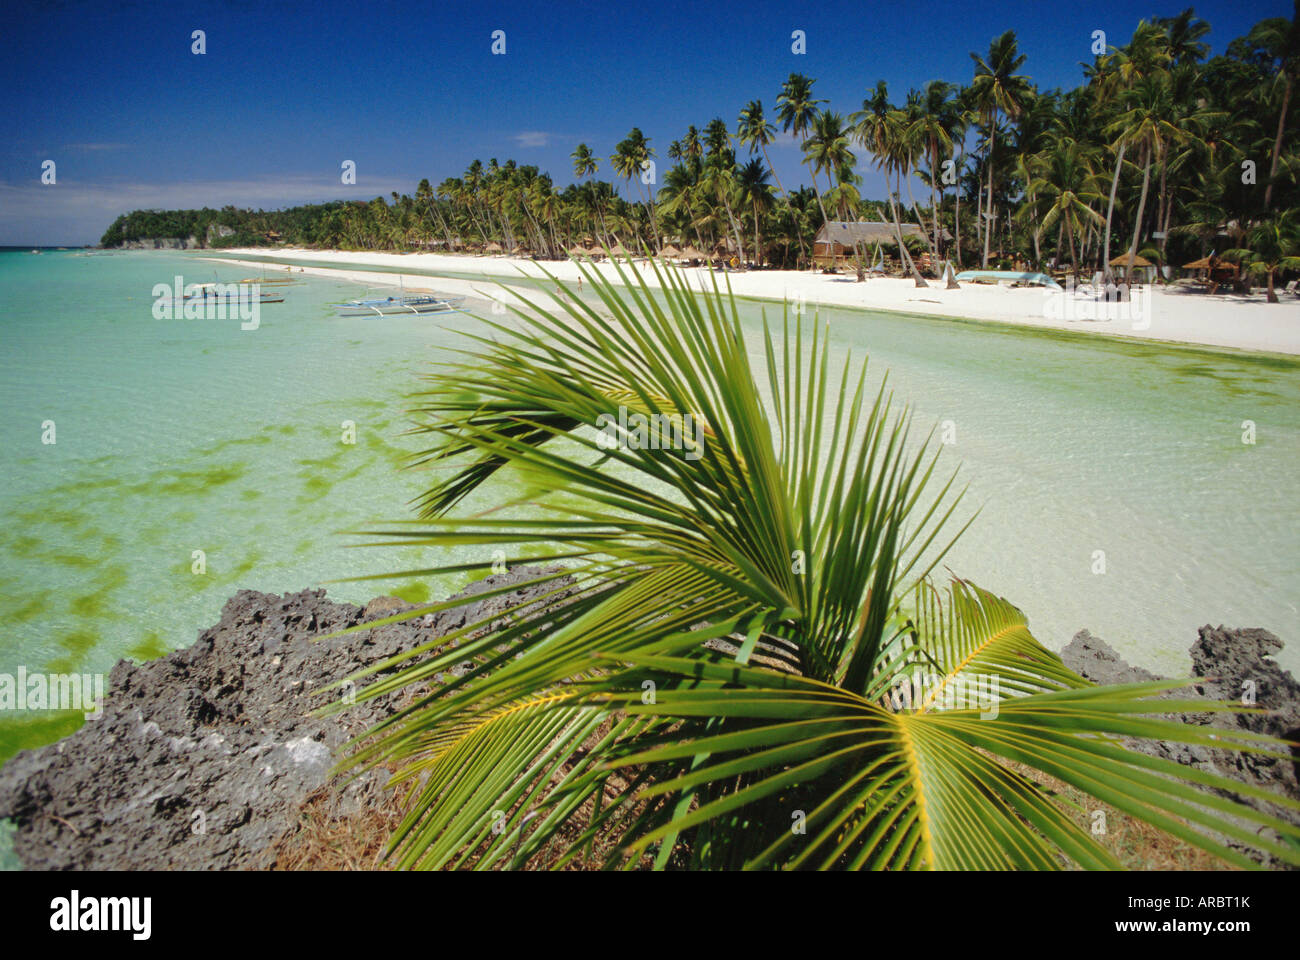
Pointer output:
x,y
1136,845
325,840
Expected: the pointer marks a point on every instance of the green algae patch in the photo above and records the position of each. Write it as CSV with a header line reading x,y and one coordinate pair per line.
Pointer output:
x,y
190,482
150,648
413,592
37,730
78,643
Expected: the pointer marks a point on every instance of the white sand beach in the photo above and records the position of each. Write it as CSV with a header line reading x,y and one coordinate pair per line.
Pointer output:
x,y
1168,314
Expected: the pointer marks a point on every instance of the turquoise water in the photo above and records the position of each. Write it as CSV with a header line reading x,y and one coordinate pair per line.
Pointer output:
x,y
180,435
183,435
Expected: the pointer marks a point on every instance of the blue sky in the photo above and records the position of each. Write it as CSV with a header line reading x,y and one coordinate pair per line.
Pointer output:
x,y
287,91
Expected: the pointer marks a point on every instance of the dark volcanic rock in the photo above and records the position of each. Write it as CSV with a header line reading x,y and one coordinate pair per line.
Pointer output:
x,y
1227,666
201,759
1093,659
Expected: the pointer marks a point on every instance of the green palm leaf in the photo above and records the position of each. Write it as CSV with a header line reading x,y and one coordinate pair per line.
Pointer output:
x,y
720,654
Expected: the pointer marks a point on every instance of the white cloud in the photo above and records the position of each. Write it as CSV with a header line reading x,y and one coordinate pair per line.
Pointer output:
x,y
532,138
95,146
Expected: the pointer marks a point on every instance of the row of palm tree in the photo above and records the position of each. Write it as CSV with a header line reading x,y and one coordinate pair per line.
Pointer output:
x,y
1160,152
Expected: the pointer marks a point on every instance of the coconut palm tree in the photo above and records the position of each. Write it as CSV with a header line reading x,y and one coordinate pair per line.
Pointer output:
x,y
753,191
629,161
1064,187
1146,54
1145,123
1185,34
796,109
718,174
998,88
754,131
1280,39
744,634
885,132
1274,246
933,127
584,162
827,148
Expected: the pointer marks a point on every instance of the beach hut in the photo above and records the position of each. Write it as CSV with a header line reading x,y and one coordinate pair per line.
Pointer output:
x,y
493,247
1211,272
1142,270
618,251
690,253
576,251
838,238
670,252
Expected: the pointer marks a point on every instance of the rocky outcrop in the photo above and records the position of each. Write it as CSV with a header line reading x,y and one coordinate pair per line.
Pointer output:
x,y
201,759
162,243
1227,666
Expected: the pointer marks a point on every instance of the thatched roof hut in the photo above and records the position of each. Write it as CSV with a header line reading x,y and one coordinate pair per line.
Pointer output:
x,y
493,247
690,253
1141,270
838,238
1138,261
670,251
618,250
576,251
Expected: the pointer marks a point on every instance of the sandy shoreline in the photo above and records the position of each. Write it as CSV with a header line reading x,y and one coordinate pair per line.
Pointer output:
x,y
1168,315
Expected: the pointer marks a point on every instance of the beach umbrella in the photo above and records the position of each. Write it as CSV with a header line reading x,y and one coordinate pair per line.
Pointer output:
x,y
618,251
493,247
670,251
690,253
1138,261
576,251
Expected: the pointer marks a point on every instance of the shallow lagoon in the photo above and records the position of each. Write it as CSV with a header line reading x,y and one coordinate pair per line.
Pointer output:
x,y
177,436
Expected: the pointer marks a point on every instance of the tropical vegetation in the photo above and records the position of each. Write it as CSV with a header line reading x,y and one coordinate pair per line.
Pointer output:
x,y
1162,151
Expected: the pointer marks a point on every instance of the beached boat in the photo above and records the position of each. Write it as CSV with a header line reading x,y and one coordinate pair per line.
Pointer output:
x,y
408,303
1013,276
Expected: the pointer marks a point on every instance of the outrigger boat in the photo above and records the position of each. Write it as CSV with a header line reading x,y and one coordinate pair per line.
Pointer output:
x,y
1013,276
209,291
407,303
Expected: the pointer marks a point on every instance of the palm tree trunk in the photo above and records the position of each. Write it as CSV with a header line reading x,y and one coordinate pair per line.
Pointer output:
x,y
920,222
934,206
1277,153
956,223
1110,210
988,227
786,196
903,255
825,219
1142,205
